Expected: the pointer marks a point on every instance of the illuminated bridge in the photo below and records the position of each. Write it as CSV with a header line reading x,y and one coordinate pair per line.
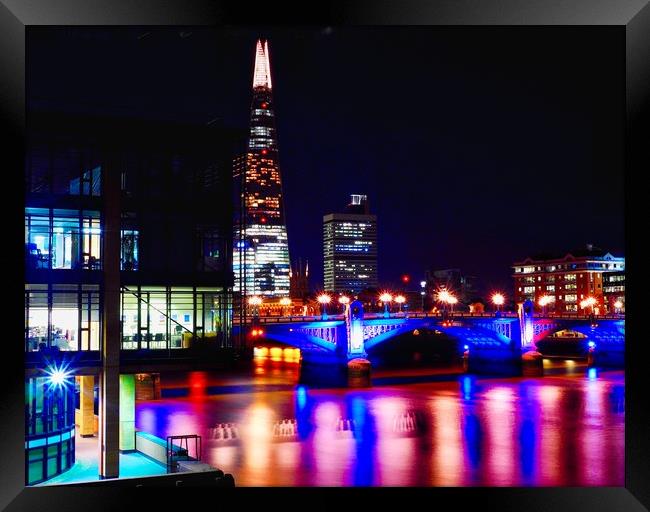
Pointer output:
x,y
494,343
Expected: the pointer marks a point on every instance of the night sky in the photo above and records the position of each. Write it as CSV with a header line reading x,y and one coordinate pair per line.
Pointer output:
x,y
476,146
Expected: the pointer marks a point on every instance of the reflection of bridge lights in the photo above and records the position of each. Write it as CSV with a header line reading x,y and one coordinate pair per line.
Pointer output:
x,y
467,387
592,374
260,352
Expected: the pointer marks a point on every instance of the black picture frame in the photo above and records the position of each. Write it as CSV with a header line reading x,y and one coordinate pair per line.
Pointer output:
x,y
632,16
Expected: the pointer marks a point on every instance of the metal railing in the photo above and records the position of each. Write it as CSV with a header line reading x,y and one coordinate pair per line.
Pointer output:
x,y
370,316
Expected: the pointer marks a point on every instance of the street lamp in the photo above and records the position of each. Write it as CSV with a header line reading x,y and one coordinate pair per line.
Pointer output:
x,y
256,302
618,305
443,296
400,299
386,298
344,301
324,299
423,285
588,302
452,300
498,299
285,302
544,301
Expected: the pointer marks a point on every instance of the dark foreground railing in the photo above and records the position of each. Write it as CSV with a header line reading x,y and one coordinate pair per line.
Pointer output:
x,y
216,478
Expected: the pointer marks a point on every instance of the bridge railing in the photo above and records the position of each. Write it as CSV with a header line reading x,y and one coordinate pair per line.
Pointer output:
x,y
411,314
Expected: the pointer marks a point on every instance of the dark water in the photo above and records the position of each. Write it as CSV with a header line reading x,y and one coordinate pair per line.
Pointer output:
x,y
409,429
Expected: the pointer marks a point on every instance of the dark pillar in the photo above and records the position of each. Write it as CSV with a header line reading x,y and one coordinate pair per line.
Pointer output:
x,y
109,381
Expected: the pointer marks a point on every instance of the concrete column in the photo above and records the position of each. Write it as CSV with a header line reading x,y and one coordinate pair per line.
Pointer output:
x,y
127,412
109,421
86,405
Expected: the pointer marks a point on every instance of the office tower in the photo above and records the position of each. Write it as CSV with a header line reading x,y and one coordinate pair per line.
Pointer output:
x,y
350,248
261,255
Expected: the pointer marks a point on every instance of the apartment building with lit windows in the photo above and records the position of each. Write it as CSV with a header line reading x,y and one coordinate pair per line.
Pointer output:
x,y
350,248
567,279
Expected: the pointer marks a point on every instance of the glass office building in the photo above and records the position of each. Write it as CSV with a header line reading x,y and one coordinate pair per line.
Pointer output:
x,y
350,248
170,191
261,252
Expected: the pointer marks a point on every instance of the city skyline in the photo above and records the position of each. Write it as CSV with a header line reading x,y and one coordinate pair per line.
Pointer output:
x,y
473,290
476,128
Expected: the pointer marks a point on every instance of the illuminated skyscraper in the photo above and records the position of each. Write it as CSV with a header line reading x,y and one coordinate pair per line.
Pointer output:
x,y
261,253
350,248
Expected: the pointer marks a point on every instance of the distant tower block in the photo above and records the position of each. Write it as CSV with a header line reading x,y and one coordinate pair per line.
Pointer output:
x,y
350,248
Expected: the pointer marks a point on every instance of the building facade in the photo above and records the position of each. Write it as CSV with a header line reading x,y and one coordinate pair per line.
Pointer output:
x,y
465,288
127,261
299,278
566,279
614,291
350,248
261,255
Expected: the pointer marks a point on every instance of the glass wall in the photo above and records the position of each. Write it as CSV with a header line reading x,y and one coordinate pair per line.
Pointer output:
x,y
62,317
65,170
49,428
211,249
157,317
129,249
62,239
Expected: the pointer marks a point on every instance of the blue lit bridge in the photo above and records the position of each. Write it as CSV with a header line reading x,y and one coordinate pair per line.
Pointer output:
x,y
494,343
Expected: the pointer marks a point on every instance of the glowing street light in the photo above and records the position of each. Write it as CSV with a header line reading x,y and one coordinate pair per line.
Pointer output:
x,y
386,298
452,300
423,285
400,299
443,296
618,305
588,302
498,300
285,302
256,302
324,299
344,300
544,301
57,376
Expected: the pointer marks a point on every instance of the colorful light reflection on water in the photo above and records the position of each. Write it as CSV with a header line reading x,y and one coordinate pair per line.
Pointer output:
x,y
268,431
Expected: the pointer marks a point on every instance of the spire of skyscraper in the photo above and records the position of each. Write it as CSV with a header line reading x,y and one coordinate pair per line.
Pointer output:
x,y
262,75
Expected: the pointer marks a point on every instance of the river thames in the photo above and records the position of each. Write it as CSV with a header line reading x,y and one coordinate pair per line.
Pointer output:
x,y
412,427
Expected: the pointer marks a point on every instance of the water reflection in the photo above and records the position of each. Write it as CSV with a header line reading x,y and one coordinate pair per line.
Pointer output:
x,y
556,430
